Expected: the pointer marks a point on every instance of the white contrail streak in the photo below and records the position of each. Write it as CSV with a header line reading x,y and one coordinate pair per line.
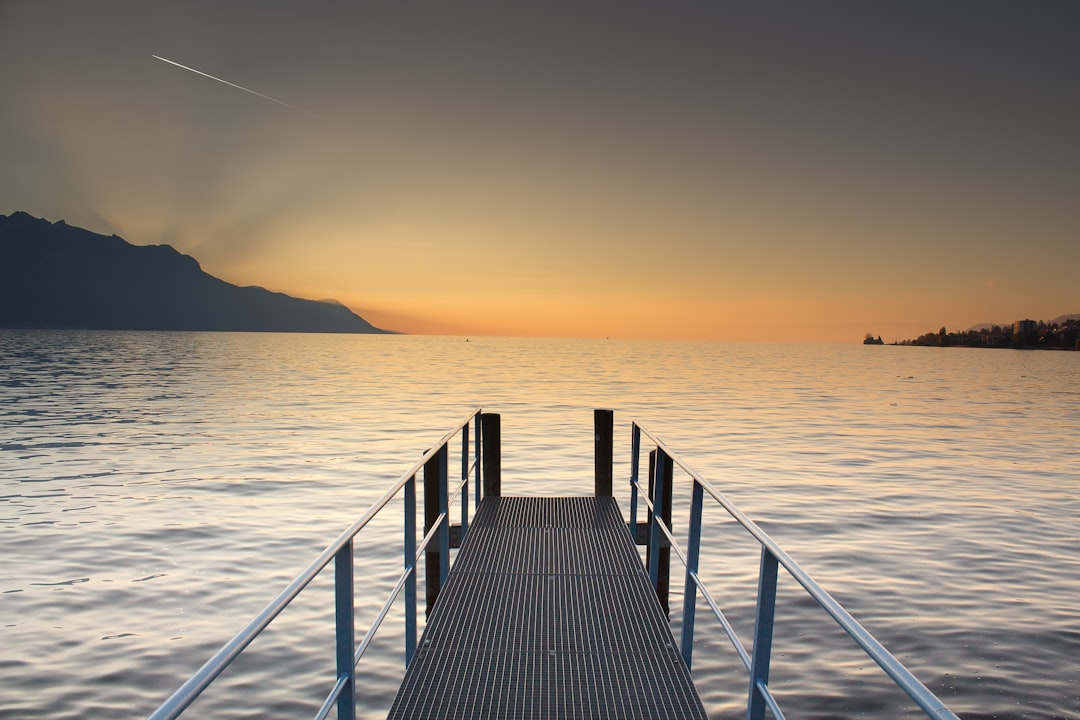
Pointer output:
x,y
238,87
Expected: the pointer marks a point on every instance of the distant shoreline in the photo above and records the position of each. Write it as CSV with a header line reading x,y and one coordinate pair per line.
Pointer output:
x,y
1062,333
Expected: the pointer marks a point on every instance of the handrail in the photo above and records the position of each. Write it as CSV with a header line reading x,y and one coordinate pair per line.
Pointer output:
x,y
212,668
904,679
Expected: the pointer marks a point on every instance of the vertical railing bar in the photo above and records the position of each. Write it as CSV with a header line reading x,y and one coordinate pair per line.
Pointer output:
x,y
635,451
344,607
476,455
664,468
657,517
763,635
444,509
465,480
648,492
693,552
410,564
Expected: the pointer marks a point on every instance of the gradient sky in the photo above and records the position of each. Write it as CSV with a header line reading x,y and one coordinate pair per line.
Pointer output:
x,y
805,171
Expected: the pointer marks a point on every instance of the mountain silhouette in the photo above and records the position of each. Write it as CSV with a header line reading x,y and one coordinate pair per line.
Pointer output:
x,y
53,275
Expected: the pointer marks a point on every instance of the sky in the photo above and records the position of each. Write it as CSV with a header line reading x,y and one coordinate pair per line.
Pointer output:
x,y
776,171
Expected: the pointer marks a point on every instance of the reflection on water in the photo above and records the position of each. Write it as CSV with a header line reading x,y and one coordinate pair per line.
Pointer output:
x,y
159,488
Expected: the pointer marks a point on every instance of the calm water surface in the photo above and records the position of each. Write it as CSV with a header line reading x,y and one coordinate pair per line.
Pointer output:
x,y
159,488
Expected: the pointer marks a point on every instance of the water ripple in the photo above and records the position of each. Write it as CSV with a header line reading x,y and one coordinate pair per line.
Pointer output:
x,y
160,488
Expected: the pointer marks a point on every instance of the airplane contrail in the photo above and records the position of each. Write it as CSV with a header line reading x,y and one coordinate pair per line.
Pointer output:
x,y
238,87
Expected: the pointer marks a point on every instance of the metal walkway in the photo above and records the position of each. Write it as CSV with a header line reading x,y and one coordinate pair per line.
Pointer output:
x,y
547,613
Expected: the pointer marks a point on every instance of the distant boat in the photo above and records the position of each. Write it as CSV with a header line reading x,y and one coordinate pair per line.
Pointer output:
x,y
871,340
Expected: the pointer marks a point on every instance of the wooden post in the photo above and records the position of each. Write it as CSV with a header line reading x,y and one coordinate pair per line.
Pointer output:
x,y
491,434
432,556
635,479
444,511
661,498
648,512
604,425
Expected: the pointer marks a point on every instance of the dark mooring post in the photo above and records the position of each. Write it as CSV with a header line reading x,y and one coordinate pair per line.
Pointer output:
x,y
604,425
661,469
434,482
648,513
491,434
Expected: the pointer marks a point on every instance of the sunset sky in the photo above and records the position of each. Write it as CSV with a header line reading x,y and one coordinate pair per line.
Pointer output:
x,y
805,171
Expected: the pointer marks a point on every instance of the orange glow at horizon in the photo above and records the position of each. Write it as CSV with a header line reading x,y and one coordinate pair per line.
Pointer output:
x,y
446,275
685,173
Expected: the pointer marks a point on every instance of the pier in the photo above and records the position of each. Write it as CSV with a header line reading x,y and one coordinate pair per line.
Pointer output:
x,y
548,610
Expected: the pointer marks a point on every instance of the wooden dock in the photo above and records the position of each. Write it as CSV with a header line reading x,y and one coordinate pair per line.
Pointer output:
x,y
547,613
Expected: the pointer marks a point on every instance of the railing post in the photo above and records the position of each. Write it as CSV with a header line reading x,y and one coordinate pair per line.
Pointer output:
x,y
604,427
635,451
410,564
432,503
651,488
763,635
464,480
492,434
346,630
444,510
665,469
693,552
476,456
660,547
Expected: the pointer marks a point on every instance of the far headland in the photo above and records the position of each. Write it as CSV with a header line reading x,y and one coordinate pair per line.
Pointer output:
x,y
54,275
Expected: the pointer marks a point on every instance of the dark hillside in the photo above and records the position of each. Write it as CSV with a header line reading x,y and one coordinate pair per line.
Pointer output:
x,y
53,275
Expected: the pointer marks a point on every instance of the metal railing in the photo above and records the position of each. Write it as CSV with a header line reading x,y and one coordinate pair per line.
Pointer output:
x,y
437,501
757,661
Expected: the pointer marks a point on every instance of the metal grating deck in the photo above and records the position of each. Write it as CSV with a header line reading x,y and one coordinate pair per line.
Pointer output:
x,y
547,613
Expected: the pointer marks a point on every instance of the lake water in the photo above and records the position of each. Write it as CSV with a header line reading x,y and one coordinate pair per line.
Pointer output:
x,y
158,489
